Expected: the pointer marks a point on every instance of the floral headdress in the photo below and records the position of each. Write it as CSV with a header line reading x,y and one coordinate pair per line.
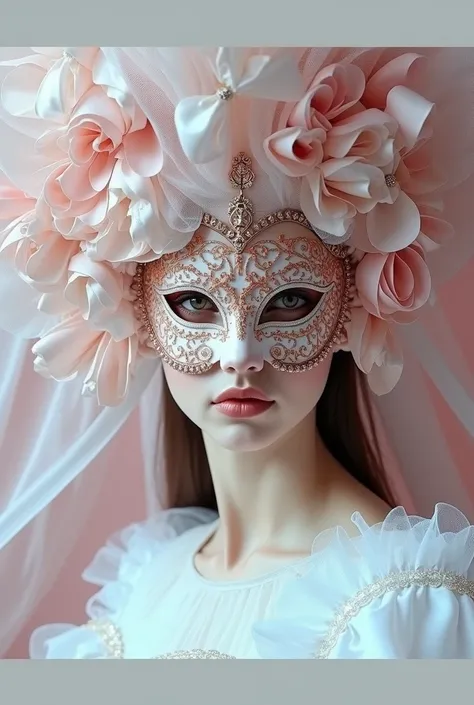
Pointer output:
x,y
110,158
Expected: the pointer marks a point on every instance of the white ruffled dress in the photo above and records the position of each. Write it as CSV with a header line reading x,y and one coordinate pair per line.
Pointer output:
x,y
403,589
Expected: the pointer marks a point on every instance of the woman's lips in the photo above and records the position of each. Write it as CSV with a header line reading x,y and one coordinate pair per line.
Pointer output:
x,y
243,408
242,403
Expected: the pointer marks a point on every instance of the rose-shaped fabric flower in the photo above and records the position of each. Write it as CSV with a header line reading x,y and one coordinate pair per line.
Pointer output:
x,y
375,350
98,134
41,256
38,95
335,90
394,285
345,179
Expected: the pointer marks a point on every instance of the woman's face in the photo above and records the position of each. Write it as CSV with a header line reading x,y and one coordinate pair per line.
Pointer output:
x,y
253,322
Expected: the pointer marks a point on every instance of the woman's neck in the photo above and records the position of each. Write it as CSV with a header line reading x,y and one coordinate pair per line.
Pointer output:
x,y
272,497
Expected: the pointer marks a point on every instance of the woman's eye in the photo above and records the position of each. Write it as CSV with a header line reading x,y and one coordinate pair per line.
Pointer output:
x,y
291,306
193,307
197,303
289,301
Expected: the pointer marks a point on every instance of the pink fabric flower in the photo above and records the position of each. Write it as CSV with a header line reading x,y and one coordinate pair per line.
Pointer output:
x,y
98,134
102,295
333,194
334,91
394,285
66,349
73,347
368,135
341,171
90,142
375,350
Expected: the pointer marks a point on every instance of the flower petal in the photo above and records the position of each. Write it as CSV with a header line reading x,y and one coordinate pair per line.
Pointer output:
x,y
368,135
366,338
385,375
325,211
111,369
93,287
434,232
393,226
65,349
294,150
394,73
411,111
143,151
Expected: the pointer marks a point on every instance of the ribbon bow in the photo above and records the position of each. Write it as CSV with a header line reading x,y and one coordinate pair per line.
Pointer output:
x,y
202,121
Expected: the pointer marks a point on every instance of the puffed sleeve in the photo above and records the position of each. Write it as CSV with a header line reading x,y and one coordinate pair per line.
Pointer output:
x,y
403,589
115,569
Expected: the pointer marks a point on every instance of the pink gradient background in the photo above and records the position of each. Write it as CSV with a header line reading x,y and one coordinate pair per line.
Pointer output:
x,y
124,503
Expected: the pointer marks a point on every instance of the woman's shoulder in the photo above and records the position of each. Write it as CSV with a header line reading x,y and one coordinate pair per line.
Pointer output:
x,y
346,497
401,588
117,569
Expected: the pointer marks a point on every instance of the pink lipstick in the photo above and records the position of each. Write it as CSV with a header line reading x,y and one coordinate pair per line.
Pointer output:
x,y
242,403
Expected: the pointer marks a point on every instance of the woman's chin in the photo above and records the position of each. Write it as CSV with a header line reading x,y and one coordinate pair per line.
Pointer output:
x,y
243,437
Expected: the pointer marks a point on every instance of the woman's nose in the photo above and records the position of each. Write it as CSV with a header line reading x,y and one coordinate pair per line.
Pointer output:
x,y
242,356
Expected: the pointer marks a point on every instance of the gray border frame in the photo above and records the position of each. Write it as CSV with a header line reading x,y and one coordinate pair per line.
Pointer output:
x,y
240,22
244,22
233,683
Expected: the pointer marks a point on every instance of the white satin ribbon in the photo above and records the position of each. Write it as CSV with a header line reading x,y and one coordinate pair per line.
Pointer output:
x,y
202,121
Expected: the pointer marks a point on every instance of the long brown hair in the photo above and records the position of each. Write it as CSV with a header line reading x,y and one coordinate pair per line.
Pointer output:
x,y
344,418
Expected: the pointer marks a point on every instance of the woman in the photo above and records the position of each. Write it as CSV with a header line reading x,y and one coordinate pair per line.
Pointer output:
x,y
261,221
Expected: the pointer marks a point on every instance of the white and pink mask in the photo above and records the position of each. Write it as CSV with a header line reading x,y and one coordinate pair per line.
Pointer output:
x,y
271,291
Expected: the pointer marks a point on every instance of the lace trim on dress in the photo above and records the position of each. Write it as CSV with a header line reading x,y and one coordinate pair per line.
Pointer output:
x,y
112,639
110,635
421,577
